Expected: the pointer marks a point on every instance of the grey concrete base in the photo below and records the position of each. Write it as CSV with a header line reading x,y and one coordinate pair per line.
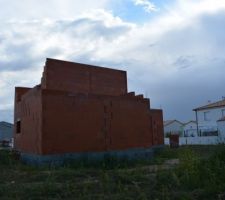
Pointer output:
x,y
60,159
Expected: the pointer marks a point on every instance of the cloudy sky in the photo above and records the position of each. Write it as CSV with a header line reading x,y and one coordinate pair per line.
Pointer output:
x,y
173,50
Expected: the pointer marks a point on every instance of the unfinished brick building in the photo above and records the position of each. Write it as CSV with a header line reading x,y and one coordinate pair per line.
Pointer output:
x,y
82,110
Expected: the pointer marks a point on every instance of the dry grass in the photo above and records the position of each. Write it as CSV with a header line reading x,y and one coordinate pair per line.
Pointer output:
x,y
184,173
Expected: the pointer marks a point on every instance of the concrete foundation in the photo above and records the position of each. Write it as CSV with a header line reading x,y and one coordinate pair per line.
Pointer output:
x,y
60,159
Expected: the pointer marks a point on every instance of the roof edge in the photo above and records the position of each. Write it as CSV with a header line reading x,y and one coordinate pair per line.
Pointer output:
x,y
85,64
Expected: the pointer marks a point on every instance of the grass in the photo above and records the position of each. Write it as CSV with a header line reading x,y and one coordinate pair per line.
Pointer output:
x,y
200,174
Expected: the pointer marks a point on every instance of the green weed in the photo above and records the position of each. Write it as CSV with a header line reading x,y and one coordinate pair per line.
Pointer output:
x,y
200,174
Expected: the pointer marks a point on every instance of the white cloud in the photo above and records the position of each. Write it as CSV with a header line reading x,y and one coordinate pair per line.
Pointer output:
x,y
26,44
50,9
175,57
147,5
28,41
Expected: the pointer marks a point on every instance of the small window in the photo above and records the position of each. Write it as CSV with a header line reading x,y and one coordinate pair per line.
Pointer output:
x,y
18,126
206,116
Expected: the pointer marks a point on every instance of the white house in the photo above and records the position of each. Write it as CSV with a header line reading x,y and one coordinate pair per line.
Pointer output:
x,y
172,127
221,128
207,117
190,129
6,132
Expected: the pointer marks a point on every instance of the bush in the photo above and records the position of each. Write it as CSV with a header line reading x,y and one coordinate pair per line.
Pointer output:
x,y
194,178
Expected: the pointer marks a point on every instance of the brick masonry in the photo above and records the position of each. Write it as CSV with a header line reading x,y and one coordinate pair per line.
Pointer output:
x,y
79,108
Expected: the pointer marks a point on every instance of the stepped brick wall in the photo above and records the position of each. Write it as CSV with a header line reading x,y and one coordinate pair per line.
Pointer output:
x,y
83,108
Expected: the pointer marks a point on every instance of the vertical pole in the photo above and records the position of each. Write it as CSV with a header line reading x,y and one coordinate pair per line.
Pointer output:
x,y
196,116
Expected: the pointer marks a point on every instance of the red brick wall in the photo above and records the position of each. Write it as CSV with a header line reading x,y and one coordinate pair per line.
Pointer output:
x,y
75,77
78,108
19,92
28,112
156,121
128,124
83,123
71,124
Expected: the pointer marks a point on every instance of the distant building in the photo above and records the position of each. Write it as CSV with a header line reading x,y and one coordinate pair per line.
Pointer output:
x,y
221,128
172,127
190,129
207,117
6,132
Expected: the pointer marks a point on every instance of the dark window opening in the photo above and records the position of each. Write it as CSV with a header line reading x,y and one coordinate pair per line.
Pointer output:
x,y
18,126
